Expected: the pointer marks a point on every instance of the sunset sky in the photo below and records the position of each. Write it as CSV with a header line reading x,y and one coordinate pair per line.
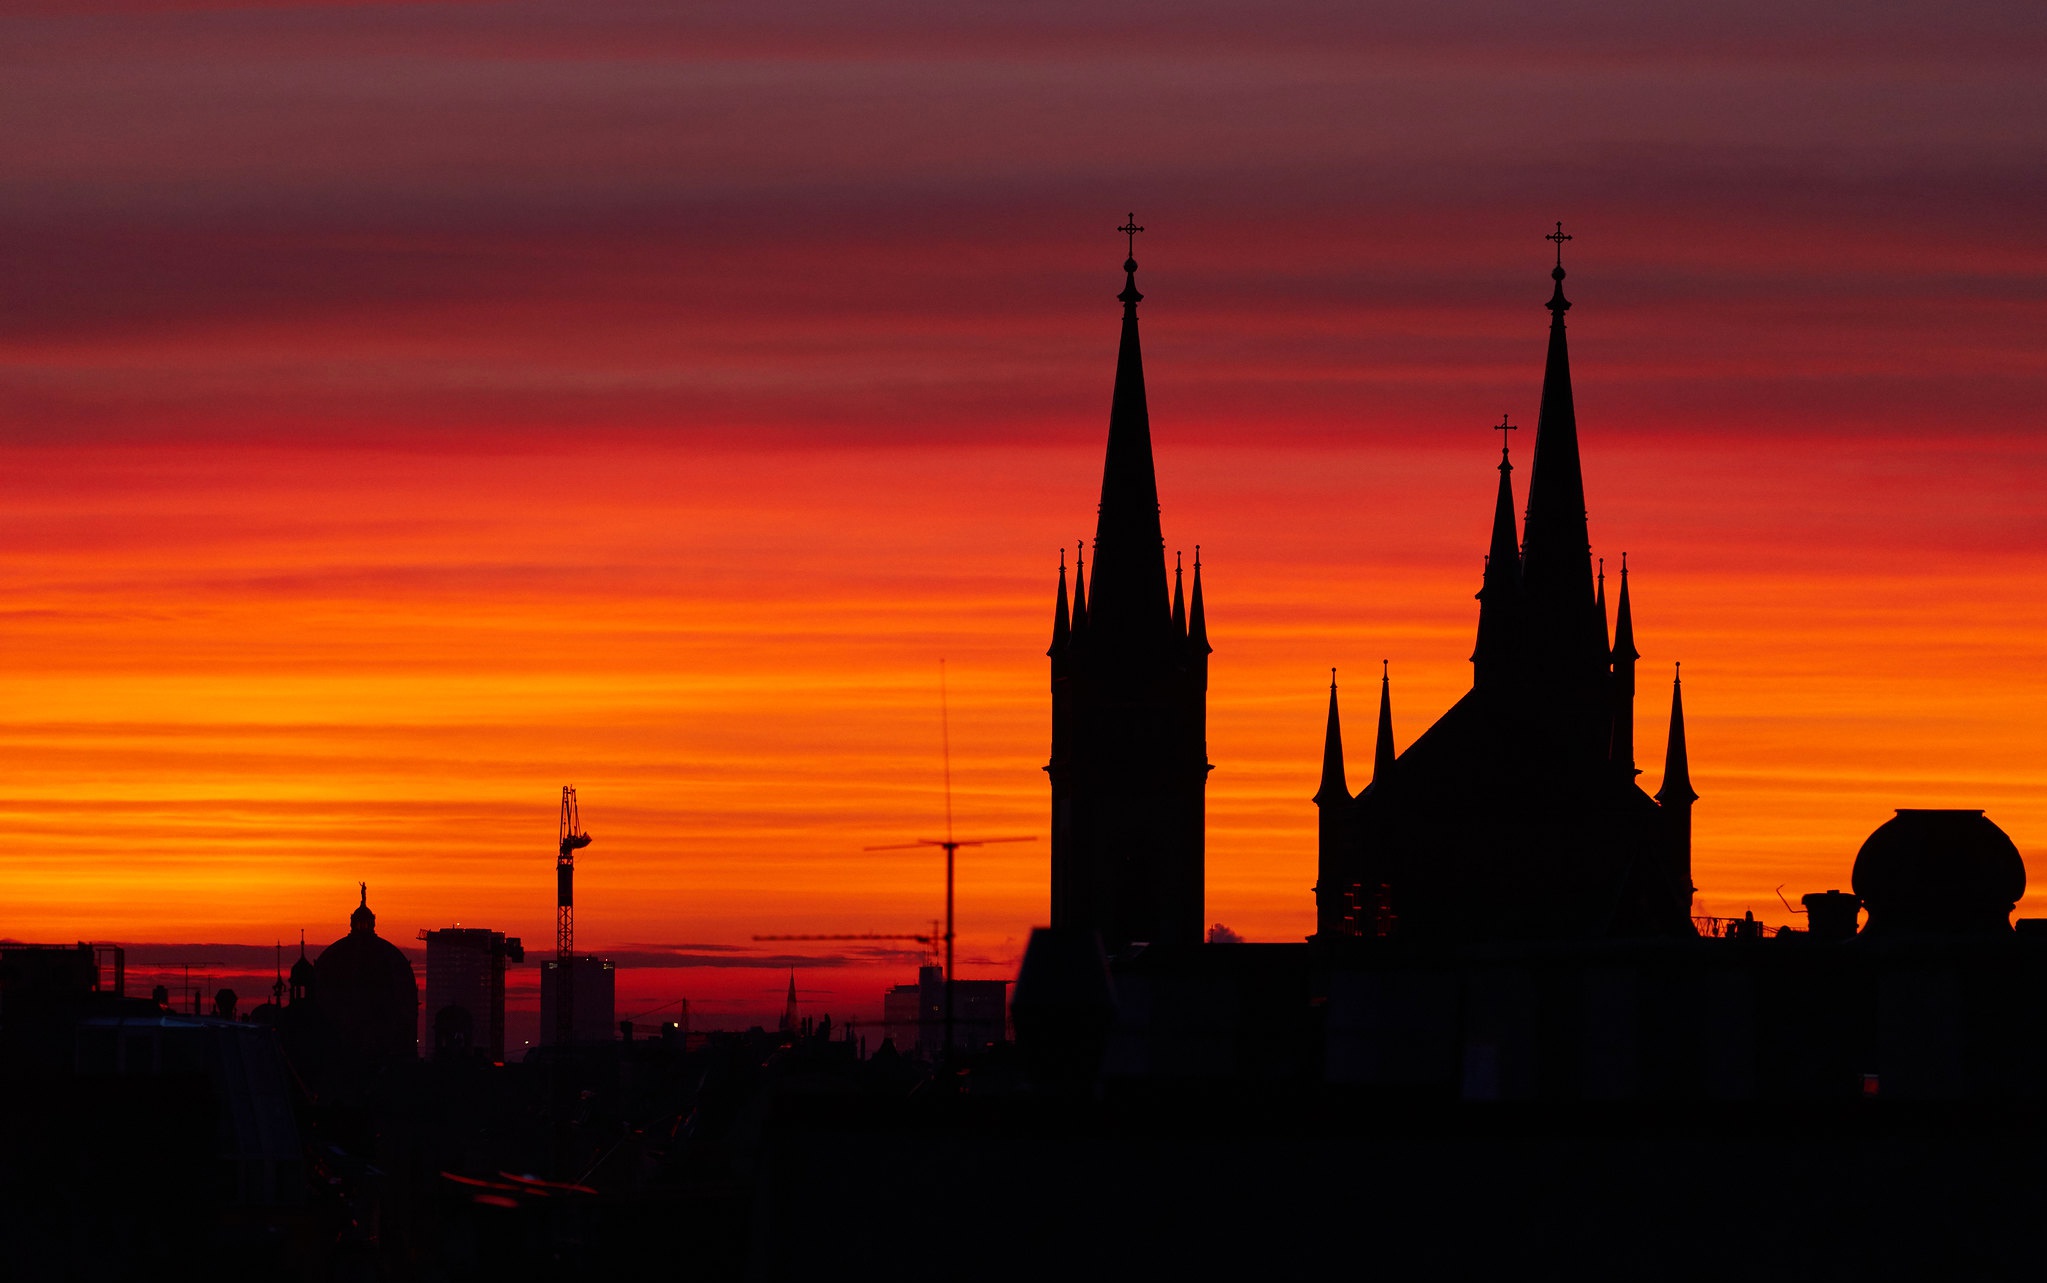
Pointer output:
x,y
407,410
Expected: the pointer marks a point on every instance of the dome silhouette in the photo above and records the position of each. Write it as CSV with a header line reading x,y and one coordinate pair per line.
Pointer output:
x,y
1939,872
367,992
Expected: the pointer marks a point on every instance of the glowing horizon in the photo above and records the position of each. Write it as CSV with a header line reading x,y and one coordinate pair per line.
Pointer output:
x,y
412,409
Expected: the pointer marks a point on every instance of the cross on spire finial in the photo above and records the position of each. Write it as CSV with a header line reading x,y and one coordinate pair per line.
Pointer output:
x,y
1503,428
1559,236
1131,229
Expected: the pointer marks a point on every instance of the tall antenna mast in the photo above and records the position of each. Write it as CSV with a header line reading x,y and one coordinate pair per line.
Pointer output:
x,y
951,844
945,755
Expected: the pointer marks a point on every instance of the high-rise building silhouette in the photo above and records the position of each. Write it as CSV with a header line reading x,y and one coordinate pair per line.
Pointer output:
x,y
1129,761
465,990
1517,813
593,995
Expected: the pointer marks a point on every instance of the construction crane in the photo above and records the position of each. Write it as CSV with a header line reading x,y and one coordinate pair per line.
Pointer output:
x,y
573,839
949,844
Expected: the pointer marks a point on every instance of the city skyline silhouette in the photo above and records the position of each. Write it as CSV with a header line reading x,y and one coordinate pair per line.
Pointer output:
x,y
347,531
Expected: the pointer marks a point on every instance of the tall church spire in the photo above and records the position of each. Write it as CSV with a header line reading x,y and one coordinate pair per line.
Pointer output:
x,y
1129,604
1382,750
1333,789
1197,617
1499,596
1622,751
1556,548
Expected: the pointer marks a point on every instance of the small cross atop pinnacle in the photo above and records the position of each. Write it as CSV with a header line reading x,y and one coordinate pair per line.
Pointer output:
x,y
1503,428
1559,236
1131,229
1130,298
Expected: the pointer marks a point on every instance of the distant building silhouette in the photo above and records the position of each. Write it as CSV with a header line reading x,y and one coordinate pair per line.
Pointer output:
x,y
1939,873
365,992
593,1002
465,990
914,1014
1129,764
1517,814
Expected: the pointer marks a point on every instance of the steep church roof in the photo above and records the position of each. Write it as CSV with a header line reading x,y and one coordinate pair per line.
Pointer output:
x,y
1128,597
1567,643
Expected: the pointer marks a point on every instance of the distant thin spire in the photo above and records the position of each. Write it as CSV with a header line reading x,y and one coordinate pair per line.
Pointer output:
x,y
789,1009
1382,754
1677,767
1062,623
1179,603
1333,788
1197,617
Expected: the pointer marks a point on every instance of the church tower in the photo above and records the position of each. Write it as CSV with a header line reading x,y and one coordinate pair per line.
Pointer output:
x,y
1129,763
1517,814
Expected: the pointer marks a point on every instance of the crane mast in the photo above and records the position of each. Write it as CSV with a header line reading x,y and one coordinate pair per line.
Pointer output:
x,y
572,839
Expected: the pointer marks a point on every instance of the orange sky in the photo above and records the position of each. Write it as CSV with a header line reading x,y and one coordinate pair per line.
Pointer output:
x,y
410,410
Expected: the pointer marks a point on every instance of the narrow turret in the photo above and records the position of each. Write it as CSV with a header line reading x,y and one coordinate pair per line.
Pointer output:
x,y
1499,598
1382,749
1062,623
1334,789
1622,743
1676,797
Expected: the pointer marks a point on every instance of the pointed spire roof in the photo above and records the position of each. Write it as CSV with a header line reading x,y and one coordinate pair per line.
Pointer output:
x,y
1556,565
1502,580
1197,616
1677,766
1624,623
1333,788
1062,624
1179,602
1079,584
1129,599
1601,603
1382,752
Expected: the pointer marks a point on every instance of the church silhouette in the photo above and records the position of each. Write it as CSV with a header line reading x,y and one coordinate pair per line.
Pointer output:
x,y
1129,763
1517,815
